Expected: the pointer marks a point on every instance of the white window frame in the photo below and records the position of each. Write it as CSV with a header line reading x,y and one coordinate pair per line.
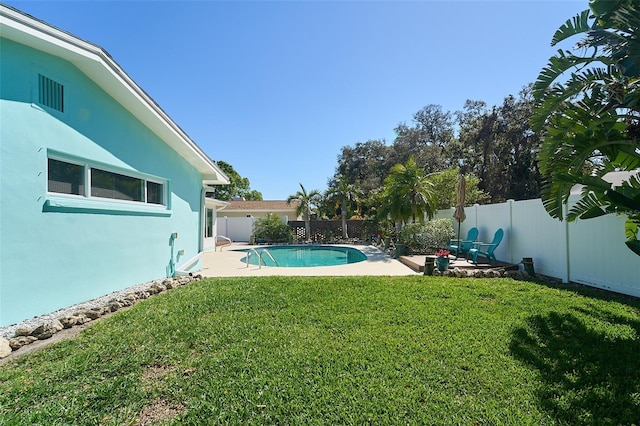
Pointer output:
x,y
85,200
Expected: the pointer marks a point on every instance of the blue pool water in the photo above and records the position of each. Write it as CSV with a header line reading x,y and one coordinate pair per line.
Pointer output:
x,y
299,256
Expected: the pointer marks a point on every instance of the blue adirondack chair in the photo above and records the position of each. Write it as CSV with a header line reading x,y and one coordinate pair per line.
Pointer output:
x,y
485,250
461,247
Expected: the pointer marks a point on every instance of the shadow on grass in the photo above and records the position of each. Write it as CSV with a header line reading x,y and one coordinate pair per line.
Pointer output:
x,y
590,374
589,291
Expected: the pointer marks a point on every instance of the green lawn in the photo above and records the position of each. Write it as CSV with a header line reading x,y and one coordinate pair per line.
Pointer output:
x,y
348,350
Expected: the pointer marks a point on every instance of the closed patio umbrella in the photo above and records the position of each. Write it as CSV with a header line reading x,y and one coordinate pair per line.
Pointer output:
x,y
459,213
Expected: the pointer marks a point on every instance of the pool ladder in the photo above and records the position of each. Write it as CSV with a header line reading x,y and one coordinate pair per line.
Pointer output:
x,y
260,259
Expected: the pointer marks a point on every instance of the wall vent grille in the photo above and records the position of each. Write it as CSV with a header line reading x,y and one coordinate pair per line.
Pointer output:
x,y
51,93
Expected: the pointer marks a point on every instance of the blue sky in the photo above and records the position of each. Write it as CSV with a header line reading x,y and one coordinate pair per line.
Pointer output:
x,y
277,88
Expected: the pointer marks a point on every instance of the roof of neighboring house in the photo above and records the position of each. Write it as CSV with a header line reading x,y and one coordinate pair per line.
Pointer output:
x,y
266,205
100,67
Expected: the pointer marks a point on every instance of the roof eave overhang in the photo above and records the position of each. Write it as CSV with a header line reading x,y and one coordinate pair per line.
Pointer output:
x,y
98,65
214,202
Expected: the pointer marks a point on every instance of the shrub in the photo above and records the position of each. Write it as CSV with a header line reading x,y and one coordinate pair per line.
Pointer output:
x,y
426,237
271,228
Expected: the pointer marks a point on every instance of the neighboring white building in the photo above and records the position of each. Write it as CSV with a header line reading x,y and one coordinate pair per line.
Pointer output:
x,y
236,221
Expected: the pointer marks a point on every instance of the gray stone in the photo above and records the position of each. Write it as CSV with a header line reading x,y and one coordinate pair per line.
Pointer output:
x,y
143,295
161,287
82,319
20,341
5,348
46,330
69,321
95,313
80,312
132,297
24,331
114,306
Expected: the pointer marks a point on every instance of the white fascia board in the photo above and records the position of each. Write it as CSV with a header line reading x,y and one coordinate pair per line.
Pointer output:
x,y
98,65
217,204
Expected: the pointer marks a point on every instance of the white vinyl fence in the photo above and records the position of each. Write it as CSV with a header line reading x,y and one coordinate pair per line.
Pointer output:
x,y
590,252
236,228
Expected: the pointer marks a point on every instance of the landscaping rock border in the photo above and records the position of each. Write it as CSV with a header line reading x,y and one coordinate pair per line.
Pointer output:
x,y
43,327
484,273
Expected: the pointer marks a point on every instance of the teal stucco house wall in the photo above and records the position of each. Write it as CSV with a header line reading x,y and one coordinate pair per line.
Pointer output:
x,y
99,189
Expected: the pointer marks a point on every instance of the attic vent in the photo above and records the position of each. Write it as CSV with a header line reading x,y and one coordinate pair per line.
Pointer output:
x,y
51,93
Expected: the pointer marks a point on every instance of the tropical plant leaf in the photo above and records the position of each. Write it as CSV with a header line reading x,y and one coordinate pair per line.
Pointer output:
x,y
634,246
628,157
631,229
588,207
579,24
604,8
625,197
587,107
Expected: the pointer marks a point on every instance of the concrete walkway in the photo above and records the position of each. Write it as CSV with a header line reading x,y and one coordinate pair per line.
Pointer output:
x,y
228,263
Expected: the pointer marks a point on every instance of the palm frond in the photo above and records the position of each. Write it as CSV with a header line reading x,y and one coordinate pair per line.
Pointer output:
x,y
622,202
557,66
591,202
631,229
587,207
634,245
590,119
555,193
553,99
576,25
628,157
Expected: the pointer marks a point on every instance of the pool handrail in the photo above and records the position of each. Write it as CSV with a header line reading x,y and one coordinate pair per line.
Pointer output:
x,y
257,254
271,256
260,259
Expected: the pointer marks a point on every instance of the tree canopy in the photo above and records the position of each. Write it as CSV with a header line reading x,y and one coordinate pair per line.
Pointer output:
x,y
407,194
307,202
239,187
345,194
426,140
445,185
495,145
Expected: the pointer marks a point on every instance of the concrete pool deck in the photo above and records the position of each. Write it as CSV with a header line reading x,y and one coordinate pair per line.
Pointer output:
x,y
227,263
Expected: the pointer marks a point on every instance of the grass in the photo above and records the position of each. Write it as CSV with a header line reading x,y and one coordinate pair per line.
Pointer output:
x,y
348,350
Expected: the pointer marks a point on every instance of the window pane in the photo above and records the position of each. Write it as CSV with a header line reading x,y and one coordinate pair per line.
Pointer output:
x,y
208,231
65,178
155,193
113,185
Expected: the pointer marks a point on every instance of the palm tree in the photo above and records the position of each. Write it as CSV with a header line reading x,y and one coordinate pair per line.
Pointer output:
x,y
305,202
588,108
407,193
345,193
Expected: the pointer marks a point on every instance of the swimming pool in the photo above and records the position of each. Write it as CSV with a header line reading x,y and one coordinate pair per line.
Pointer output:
x,y
303,256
